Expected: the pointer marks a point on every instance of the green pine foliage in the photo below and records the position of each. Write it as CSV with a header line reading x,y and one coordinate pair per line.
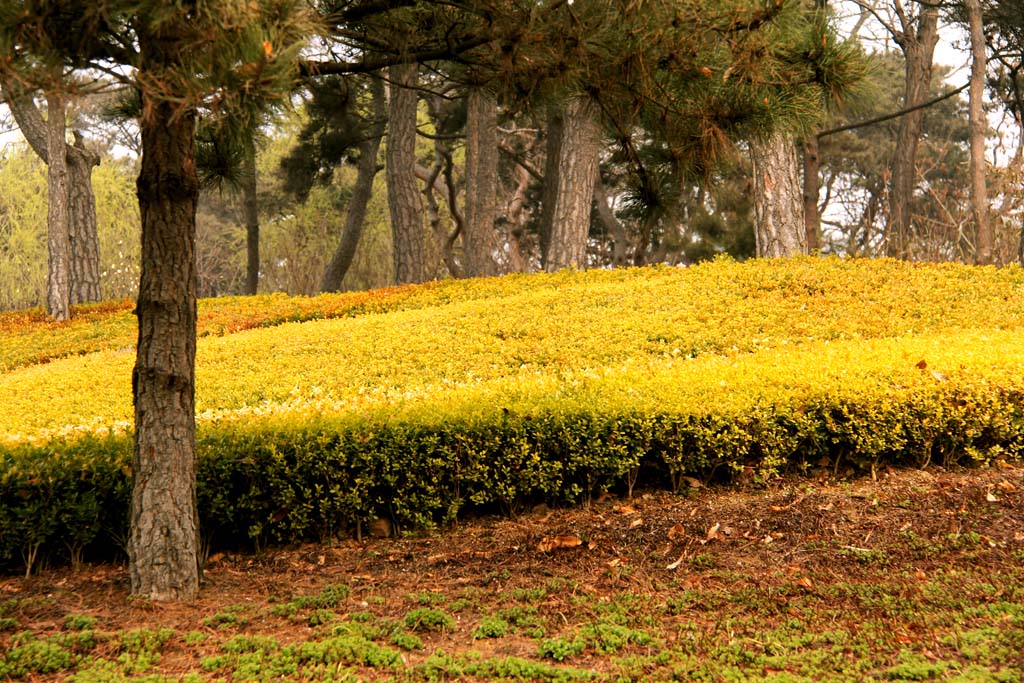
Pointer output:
x,y
417,404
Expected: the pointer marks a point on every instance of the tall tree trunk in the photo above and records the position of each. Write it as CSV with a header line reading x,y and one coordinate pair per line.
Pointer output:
x,y
481,184
812,188
978,125
84,259
163,542
578,172
918,45
83,232
549,188
251,214
778,200
404,203
58,281
366,171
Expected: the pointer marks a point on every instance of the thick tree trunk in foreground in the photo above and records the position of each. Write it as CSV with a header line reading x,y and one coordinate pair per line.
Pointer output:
x,y
778,199
83,232
366,171
58,281
978,125
404,202
481,184
163,543
251,215
577,174
918,48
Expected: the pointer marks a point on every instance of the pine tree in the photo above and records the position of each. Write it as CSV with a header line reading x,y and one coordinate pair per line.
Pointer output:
x,y
181,57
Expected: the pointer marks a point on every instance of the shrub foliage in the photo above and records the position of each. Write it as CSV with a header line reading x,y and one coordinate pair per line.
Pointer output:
x,y
492,394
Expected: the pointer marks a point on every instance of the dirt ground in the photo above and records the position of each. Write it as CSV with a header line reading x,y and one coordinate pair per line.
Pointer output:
x,y
806,532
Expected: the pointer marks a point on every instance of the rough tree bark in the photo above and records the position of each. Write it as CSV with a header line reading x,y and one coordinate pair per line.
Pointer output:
x,y
481,184
778,200
58,281
549,188
83,232
566,216
918,46
978,125
366,171
163,542
251,215
404,204
812,188
84,260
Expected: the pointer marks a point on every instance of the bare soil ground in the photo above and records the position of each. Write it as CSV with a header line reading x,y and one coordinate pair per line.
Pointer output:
x,y
708,575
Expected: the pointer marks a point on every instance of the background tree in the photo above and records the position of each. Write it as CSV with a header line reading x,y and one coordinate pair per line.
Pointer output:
x,y
978,128
78,210
403,196
855,170
914,28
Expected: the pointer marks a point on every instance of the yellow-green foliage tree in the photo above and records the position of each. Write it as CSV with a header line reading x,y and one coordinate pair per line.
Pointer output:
x,y
23,228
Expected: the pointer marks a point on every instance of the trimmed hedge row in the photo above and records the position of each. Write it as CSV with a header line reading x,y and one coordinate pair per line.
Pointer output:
x,y
492,394
69,500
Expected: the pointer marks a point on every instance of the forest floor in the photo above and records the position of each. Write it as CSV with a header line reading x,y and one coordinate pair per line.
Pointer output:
x,y
913,575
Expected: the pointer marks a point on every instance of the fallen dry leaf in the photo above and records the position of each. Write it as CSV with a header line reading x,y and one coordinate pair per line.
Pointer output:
x,y
713,532
676,532
1006,486
624,509
558,543
805,582
675,565
636,522
991,497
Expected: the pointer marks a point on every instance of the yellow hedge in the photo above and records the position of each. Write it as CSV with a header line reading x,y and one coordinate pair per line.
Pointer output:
x,y
418,402
504,332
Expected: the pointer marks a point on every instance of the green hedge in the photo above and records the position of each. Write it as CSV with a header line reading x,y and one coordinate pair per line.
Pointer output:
x,y
325,478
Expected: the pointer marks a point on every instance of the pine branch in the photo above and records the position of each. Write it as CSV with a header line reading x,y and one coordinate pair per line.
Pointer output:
x,y
893,115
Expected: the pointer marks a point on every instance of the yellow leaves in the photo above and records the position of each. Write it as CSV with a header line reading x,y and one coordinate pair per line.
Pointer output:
x,y
722,343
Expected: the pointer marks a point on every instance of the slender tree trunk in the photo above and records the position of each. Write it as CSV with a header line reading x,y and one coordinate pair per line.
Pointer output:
x,y
549,188
812,188
404,201
918,48
978,125
163,542
58,281
578,172
83,231
366,171
616,231
778,200
515,217
251,215
481,184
